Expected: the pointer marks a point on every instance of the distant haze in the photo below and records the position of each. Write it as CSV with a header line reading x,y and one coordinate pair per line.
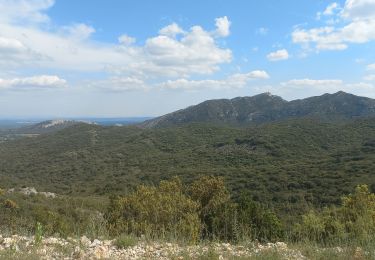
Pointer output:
x,y
21,122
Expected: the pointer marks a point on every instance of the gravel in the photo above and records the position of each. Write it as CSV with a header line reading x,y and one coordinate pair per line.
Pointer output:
x,y
84,248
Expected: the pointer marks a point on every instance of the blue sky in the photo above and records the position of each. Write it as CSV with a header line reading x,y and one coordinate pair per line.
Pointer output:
x,y
68,58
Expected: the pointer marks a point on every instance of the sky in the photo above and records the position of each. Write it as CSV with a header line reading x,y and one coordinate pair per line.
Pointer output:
x,y
121,58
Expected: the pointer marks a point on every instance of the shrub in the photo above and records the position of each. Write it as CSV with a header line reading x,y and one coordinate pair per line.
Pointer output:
x,y
161,212
125,241
311,228
216,210
353,221
358,214
38,233
205,212
257,222
52,221
10,204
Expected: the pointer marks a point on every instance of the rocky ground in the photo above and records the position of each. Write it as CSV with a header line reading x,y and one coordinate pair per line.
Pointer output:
x,y
23,247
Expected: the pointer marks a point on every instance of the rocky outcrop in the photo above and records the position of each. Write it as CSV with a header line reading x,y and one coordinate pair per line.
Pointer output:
x,y
29,191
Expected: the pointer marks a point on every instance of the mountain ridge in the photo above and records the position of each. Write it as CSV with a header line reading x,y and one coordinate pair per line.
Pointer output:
x,y
266,107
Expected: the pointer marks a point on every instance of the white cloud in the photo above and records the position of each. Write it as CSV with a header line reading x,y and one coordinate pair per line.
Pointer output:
x,y
171,30
278,55
222,26
14,53
79,31
42,82
359,9
195,53
11,45
371,66
238,80
121,84
71,48
330,10
358,19
313,83
256,74
370,77
302,88
126,40
323,38
262,31
24,11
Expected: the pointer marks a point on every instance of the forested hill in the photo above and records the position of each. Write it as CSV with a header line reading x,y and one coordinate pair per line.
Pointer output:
x,y
268,108
293,162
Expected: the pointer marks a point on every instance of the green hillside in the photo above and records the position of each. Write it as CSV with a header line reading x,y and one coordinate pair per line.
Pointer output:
x,y
290,164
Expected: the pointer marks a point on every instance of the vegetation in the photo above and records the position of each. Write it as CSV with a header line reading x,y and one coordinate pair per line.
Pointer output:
x,y
162,212
354,220
173,211
125,241
289,166
40,216
38,233
281,181
266,107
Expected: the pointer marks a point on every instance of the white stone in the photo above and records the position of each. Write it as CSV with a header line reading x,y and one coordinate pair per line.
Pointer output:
x,y
85,241
95,243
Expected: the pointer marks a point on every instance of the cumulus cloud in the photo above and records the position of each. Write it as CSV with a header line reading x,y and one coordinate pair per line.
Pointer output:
x,y
121,84
359,9
369,77
256,74
125,84
42,82
195,53
11,45
24,11
171,30
14,53
302,88
357,26
126,40
222,26
71,48
330,10
313,82
371,67
238,80
278,55
79,31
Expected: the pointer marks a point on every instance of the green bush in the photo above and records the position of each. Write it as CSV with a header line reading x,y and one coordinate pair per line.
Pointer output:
x,y
352,222
206,211
156,212
358,214
125,241
322,227
38,233
216,211
257,222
